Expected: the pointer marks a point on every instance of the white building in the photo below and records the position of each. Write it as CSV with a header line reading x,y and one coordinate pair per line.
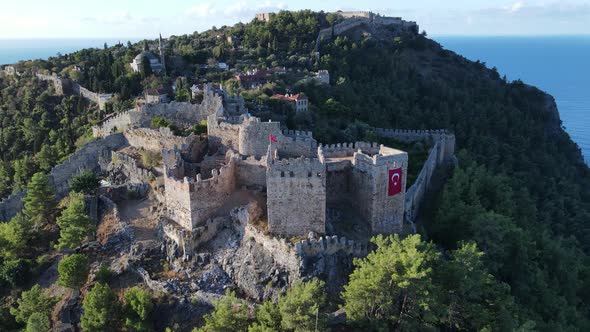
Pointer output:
x,y
156,65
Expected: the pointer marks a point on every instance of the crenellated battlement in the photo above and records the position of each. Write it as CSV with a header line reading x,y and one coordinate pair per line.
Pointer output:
x,y
330,245
224,173
297,133
296,168
119,122
342,150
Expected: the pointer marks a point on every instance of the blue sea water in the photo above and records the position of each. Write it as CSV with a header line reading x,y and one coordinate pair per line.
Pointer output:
x,y
14,50
558,65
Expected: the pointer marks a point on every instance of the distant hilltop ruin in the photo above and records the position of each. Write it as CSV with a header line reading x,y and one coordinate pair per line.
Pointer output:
x,y
357,19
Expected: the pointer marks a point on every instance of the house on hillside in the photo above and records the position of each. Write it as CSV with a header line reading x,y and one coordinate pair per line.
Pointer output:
x,y
157,95
299,102
254,79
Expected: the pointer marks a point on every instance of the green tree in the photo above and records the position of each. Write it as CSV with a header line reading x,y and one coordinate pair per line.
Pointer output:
x,y
146,68
100,310
15,237
73,271
24,168
230,314
33,301
301,307
104,274
40,200
268,318
392,287
471,297
158,121
86,182
138,308
47,157
75,225
15,272
38,322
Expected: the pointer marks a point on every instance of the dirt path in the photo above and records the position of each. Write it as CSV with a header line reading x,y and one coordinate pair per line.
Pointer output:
x,y
141,215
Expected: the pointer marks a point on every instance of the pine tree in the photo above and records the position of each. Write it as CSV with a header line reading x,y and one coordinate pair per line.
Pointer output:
x,y
74,224
33,301
73,271
40,201
100,310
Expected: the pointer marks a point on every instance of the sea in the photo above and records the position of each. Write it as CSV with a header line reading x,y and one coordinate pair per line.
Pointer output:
x,y
559,65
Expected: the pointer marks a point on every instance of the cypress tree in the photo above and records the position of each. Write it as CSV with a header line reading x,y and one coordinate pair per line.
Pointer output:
x,y
40,200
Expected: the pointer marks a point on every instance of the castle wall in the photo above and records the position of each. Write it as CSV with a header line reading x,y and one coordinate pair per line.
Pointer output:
x,y
254,136
339,185
65,85
118,123
178,201
251,172
223,134
86,158
184,112
156,140
445,139
130,168
296,196
330,245
282,253
11,205
60,176
415,194
294,143
208,195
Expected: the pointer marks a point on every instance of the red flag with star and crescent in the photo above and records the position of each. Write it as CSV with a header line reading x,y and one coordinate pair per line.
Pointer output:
x,y
272,138
395,181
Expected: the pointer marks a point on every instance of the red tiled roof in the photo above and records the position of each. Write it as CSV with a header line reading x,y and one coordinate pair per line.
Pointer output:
x,y
289,98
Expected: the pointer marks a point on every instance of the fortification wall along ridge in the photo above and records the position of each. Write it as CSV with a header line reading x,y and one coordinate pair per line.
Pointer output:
x,y
66,85
445,139
415,195
86,158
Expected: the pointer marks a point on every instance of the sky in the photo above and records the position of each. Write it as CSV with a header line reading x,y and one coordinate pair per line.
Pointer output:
x,y
146,18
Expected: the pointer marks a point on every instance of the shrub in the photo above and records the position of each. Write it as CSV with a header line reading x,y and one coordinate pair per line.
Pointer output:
x,y
150,159
73,271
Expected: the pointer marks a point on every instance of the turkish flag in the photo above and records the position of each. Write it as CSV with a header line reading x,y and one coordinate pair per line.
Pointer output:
x,y
395,181
272,138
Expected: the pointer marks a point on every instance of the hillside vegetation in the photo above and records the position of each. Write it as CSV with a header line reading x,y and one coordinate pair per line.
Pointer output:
x,y
504,245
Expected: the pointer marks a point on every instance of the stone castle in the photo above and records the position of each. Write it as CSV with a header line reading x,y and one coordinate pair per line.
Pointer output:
x,y
285,182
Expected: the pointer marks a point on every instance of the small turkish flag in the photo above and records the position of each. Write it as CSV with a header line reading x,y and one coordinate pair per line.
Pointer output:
x,y
395,181
272,138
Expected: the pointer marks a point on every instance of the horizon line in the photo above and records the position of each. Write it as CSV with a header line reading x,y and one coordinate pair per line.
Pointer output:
x,y
125,39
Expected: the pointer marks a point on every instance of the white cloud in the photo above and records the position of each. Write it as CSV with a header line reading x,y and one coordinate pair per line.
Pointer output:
x,y
202,10
238,10
119,18
515,7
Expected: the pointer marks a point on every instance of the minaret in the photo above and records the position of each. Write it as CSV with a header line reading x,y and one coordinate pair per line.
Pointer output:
x,y
161,49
